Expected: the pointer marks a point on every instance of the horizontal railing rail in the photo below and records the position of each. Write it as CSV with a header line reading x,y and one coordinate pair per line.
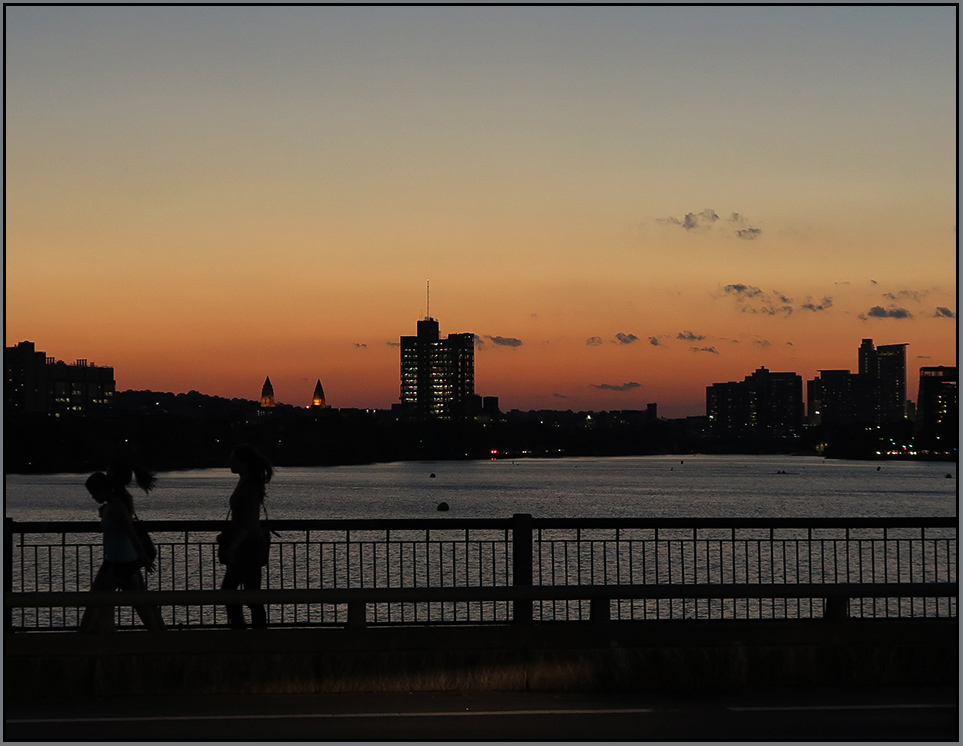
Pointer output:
x,y
368,524
358,598
455,570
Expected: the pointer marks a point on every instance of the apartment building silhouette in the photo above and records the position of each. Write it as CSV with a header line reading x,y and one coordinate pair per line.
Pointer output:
x,y
875,395
763,404
437,375
937,407
38,384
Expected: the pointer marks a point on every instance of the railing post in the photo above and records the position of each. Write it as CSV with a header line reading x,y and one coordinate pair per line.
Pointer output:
x,y
836,609
8,570
522,529
599,611
357,615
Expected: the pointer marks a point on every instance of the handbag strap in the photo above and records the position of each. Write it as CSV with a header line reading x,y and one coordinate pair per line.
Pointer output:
x,y
267,521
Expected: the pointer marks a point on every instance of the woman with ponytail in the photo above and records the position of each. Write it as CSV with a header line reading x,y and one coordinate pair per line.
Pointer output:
x,y
124,551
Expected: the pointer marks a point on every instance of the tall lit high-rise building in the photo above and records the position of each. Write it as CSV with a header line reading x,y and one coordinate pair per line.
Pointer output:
x,y
937,407
437,375
885,367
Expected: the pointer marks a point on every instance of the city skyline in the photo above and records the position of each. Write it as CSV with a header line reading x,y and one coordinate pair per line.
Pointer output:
x,y
625,205
911,379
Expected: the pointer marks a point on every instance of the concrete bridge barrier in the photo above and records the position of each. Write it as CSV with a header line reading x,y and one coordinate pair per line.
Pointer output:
x,y
680,655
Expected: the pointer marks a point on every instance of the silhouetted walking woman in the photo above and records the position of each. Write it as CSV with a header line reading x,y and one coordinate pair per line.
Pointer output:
x,y
245,543
124,553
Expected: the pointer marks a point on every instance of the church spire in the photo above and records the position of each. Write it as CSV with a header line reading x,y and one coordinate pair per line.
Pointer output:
x,y
318,398
267,393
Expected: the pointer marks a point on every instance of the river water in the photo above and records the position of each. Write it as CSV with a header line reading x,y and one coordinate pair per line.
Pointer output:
x,y
646,486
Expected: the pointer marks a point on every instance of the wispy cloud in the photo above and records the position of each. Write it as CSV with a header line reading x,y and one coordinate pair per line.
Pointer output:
x,y
942,312
916,295
688,336
654,341
693,220
736,224
617,386
743,228
360,345
391,343
711,350
893,312
594,341
626,339
741,291
505,341
775,303
762,343
809,305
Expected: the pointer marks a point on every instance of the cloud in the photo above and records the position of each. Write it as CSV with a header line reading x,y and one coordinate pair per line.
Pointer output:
x,y
893,312
705,220
744,229
360,345
771,310
617,386
762,342
505,341
711,350
594,341
699,220
626,339
775,303
942,312
825,303
741,292
393,344
654,341
559,396
916,295
690,336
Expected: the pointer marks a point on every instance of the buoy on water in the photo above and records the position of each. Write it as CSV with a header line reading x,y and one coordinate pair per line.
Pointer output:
x,y
442,506
432,475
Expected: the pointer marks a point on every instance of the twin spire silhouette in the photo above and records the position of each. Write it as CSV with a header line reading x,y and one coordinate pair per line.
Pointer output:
x,y
267,395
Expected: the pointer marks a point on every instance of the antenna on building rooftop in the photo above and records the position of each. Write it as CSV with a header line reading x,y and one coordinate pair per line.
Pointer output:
x,y
427,299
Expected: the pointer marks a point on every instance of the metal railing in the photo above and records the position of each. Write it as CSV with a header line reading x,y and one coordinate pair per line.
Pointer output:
x,y
478,571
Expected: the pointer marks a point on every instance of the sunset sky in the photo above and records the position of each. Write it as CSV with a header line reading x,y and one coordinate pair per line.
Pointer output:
x,y
625,204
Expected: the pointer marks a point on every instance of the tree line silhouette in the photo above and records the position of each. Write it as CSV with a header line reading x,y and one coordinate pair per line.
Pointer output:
x,y
194,430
